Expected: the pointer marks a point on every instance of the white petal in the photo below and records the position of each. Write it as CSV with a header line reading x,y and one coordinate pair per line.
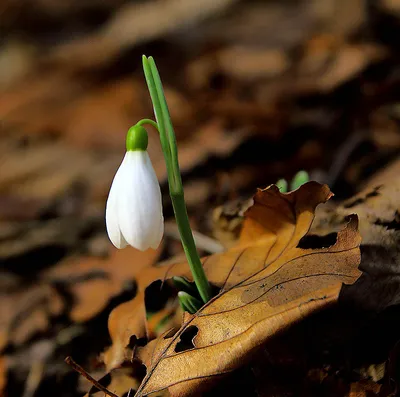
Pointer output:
x,y
139,208
157,231
112,223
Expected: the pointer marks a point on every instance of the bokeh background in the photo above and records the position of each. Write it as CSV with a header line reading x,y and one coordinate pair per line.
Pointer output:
x,y
257,90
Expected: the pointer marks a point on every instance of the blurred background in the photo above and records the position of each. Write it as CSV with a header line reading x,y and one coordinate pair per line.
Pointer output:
x,y
257,90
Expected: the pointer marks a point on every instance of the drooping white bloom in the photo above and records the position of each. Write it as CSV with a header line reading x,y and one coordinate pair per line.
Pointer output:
x,y
134,209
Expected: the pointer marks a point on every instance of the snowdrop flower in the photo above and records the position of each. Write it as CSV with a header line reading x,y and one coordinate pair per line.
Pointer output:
x,y
134,210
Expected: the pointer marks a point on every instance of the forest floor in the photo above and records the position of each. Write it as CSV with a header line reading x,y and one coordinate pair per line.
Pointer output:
x,y
257,90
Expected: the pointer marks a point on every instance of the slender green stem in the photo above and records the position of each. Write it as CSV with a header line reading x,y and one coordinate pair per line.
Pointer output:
x,y
189,246
168,143
159,117
168,126
148,121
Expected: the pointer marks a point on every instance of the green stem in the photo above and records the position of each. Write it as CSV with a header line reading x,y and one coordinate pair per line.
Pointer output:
x,y
168,143
169,129
148,121
160,119
189,246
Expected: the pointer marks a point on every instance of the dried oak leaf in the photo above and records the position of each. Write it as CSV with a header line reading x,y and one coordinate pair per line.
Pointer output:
x,y
27,311
3,374
92,282
119,381
267,283
364,389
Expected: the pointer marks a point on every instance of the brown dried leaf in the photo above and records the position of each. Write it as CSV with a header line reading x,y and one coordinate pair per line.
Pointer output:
x,y
324,68
118,381
267,283
237,62
94,281
134,24
228,220
101,117
211,139
27,311
377,207
364,389
3,374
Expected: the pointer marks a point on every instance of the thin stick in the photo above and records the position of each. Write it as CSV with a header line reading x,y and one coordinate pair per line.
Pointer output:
x,y
93,381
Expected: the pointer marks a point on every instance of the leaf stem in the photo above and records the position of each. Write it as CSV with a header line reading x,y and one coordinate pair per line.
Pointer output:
x,y
169,147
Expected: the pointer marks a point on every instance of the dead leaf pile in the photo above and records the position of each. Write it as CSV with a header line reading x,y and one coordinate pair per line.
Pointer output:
x,y
257,91
267,282
81,111
92,282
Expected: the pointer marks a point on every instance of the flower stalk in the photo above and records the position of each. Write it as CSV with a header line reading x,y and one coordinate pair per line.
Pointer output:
x,y
170,151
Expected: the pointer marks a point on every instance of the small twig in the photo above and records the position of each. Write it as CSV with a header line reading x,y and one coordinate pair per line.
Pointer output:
x,y
93,381
343,155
